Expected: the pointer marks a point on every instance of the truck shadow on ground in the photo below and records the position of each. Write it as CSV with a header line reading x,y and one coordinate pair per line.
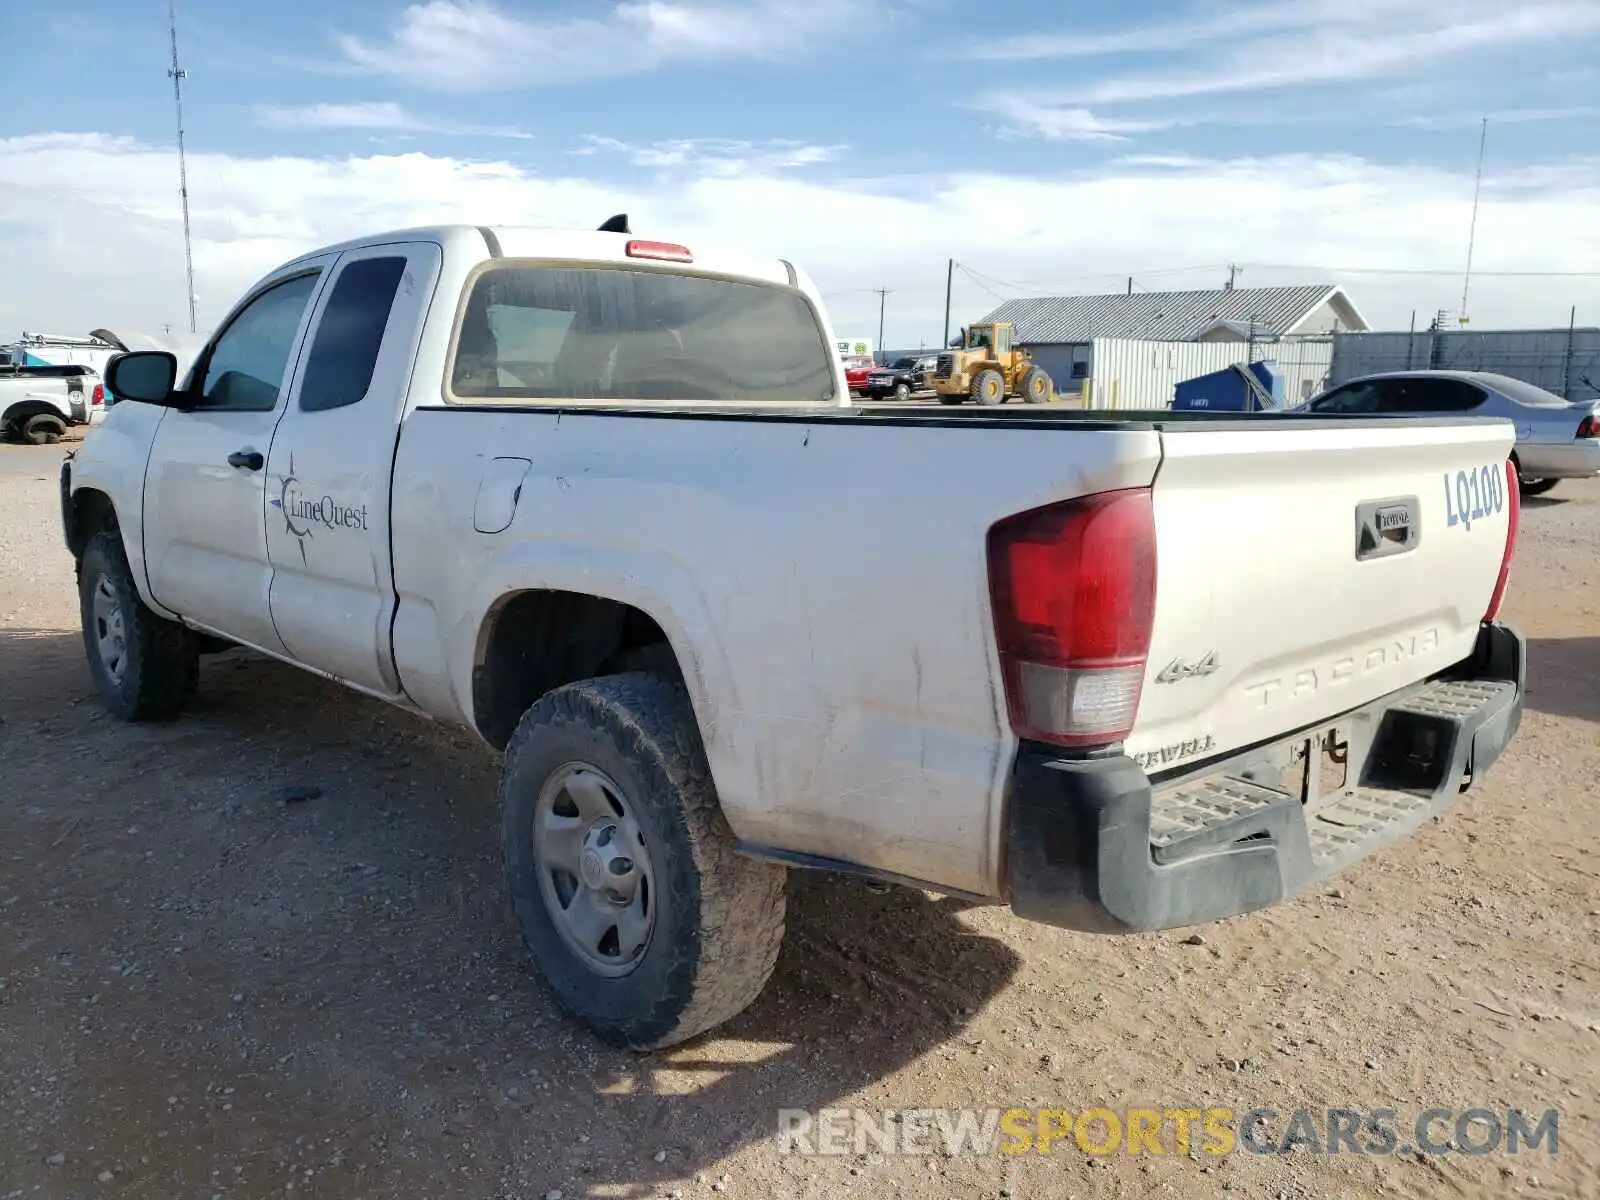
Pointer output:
x,y
1564,677
334,984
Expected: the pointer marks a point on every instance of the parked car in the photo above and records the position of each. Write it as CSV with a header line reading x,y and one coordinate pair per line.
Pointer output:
x,y
603,501
1556,440
39,403
856,370
902,377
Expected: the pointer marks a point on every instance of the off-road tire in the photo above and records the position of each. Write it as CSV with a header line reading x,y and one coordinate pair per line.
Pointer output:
x,y
989,387
162,663
945,398
43,429
1034,386
719,915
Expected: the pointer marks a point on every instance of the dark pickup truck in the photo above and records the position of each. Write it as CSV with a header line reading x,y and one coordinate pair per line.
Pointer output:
x,y
901,377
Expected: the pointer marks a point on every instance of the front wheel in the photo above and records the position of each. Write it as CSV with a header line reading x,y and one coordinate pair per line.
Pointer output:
x,y
144,666
1535,487
989,387
642,917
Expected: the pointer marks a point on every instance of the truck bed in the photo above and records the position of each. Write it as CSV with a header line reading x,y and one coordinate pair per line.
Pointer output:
x,y
823,574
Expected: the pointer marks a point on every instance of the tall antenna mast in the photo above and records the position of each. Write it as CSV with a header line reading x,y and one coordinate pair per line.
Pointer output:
x,y
177,74
1472,234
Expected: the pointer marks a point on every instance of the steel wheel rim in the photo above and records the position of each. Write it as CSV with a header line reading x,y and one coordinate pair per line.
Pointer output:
x,y
110,631
594,869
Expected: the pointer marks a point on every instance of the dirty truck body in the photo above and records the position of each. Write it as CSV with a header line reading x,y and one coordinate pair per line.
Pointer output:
x,y
722,623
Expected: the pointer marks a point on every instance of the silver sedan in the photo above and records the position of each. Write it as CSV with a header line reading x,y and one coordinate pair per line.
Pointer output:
x,y
1555,439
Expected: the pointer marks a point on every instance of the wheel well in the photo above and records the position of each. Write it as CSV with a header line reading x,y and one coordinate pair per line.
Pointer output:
x,y
23,409
534,642
92,511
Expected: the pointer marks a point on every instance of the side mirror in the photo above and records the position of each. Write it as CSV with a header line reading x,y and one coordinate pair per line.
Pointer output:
x,y
147,376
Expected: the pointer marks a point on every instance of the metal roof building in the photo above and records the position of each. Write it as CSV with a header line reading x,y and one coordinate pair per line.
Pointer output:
x,y
1225,314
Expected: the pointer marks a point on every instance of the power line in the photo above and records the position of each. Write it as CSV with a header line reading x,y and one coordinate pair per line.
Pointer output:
x,y
1427,271
982,284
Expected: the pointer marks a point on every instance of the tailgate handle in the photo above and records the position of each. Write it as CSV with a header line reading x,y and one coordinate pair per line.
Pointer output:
x,y
1387,527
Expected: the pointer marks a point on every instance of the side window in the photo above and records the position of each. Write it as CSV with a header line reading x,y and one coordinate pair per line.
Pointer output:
x,y
245,367
344,350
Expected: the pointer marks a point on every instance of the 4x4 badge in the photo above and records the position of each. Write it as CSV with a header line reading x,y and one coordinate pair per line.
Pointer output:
x,y
1178,670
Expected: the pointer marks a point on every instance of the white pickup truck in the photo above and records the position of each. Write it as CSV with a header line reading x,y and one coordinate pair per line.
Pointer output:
x,y
37,404
604,501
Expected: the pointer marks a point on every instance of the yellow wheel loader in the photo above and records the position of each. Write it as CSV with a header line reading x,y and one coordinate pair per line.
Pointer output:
x,y
987,369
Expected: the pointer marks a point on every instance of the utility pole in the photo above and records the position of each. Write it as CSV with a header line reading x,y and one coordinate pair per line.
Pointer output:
x,y
177,74
949,278
1233,275
1472,232
1130,285
883,295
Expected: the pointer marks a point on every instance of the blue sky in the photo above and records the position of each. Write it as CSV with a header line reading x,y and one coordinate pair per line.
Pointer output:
x,y
1049,146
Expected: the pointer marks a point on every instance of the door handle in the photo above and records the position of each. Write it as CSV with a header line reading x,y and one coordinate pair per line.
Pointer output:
x,y
249,460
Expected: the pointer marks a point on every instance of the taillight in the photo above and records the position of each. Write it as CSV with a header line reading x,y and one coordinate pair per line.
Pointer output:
x,y
1074,592
666,251
1513,519
1588,428
99,396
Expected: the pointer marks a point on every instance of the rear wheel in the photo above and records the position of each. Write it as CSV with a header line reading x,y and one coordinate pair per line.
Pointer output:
x,y
42,429
902,391
1530,485
946,399
643,919
989,387
1034,386
144,666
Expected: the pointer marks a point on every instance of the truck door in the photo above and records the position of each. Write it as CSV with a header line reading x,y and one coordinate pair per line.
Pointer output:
x,y
204,531
332,593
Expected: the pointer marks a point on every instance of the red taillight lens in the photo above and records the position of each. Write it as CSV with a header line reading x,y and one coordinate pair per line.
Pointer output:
x,y
99,395
1513,519
1074,592
666,251
1588,428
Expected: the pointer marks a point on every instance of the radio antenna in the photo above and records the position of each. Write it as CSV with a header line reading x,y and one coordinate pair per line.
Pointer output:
x,y
177,74
1472,232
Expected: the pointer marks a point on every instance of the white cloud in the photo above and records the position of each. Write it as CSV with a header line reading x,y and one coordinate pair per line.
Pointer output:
x,y
1022,114
91,234
715,157
471,45
1297,44
383,115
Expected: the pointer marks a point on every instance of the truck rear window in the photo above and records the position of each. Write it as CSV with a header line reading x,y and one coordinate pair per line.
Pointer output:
x,y
602,333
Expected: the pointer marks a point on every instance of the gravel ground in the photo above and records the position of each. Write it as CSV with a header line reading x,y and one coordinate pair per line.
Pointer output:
x,y
208,992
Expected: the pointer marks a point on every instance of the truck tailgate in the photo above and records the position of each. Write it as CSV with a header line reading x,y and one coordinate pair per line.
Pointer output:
x,y
1305,571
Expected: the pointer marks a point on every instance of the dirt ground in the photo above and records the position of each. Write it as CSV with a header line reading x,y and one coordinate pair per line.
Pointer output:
x,y
208,992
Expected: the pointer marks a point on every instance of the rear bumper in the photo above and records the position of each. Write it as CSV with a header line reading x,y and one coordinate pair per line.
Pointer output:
x,y
1574,460
1092,846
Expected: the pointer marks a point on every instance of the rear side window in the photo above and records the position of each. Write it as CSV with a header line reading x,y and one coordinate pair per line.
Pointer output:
x,y
345,350
1427,396
595,333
